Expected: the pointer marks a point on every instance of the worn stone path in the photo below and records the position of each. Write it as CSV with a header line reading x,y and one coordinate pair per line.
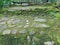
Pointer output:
x,y
19,23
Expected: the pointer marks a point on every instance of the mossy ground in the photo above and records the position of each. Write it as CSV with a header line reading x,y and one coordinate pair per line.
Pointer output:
x,y
52,32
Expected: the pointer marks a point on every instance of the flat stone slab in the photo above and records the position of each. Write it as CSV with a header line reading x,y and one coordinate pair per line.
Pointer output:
x,y
6,32
0,31
40,25
3,26
4,18
26,26
40,20
18,8
14,32
26,8
1,23
22,31
49,43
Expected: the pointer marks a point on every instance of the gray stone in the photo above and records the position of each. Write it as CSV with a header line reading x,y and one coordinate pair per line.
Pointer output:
x,y
27,23
14,31
26,26
15,21
49,43
1,23
27,20
41,25
22,31
3,26
9,22
0,31
4,18
6,32
28,38
40,20
25,4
